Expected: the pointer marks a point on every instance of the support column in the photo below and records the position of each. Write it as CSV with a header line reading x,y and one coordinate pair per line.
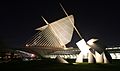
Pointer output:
x,y
90,58
60,59
98,57
79,58
105,59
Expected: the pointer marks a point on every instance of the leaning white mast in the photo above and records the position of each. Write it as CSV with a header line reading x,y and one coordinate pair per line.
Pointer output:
x,y
71,22
82,42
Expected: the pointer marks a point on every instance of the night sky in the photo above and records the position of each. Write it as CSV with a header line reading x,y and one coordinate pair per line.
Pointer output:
x,y
93,19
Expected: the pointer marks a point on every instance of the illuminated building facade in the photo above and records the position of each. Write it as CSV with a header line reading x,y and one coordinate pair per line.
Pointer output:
x,y
114,52
51,40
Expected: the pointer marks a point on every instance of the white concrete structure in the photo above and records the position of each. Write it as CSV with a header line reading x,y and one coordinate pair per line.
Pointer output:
x,y
61,60
54,36
97,53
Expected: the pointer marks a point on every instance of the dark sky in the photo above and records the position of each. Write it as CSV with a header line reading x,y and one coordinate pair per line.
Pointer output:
x,y
99,19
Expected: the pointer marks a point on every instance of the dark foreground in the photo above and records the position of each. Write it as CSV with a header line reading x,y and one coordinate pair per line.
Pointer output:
x,y
51,65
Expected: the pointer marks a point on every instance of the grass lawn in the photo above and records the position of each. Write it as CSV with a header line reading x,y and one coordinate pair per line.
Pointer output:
x,y
51,65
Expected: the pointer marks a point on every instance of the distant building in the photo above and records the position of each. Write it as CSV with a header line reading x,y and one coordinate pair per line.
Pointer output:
x,y
114,52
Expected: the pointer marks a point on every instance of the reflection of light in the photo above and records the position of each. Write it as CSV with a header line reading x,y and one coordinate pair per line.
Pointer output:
x,y
32,55
27,45
65,48
26,53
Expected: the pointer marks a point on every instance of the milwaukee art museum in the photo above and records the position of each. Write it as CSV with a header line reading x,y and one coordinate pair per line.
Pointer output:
x,y
51,39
